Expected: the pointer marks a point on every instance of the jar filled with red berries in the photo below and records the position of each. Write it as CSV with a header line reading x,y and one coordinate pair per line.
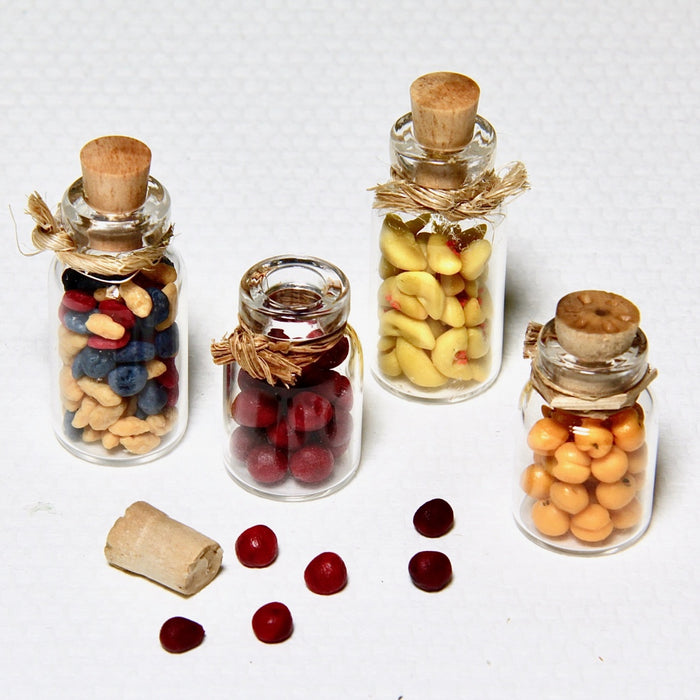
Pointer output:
x,y
118,345
587,460
292,381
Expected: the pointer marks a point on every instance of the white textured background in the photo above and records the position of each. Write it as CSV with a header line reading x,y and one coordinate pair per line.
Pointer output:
x,y
267,121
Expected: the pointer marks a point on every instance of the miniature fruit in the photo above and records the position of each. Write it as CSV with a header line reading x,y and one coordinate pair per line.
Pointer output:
x,y
326,574
430,571
434,518
272,623
256,547
178,634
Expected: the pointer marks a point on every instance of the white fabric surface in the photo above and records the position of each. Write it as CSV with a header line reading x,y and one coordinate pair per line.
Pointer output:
x,y
268,121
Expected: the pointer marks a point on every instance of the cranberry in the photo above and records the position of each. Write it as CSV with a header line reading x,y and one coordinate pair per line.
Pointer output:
x,y
100,343
267,464
76,300
246,381
311,464
243,440
178,634
256,547
434,518
171,376
333,356
272,623
336,388
326,574
309,411
430,571
117,312
254,408
282,435
339,431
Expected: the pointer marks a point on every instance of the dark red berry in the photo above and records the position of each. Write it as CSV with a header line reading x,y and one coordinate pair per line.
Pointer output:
x,y
339,431
243,440
76,300
326,574
267,464
178,634
282,435
171,376
309,411
254,408
434,518
333,356
117,312
100,343
430,571
336,388
256,547
311,464
272,623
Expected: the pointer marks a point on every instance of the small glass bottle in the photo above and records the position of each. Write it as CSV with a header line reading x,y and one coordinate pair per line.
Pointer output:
x,y
117,312
293,435
586,462
441,263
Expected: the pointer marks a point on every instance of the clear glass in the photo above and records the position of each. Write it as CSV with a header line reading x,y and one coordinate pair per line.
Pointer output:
x,y
439,284
303,441
584,480
118,345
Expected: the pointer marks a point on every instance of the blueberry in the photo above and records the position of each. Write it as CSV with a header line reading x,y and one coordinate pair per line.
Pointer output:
x,y
95,363
71,432
127,380
161,306
153,398
76,369
136,351
75,320
143,330
167,342
72,279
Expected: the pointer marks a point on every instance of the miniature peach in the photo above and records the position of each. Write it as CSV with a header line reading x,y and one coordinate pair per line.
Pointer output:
x,y
618,494
628,516
612,467
592,524
627,426
546,435
549,519
592,536
638,460
593,438
571,498
573,465
535,481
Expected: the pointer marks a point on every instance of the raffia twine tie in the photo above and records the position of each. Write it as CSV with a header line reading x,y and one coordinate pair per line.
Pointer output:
x,y
271,359
578,401
49,234
478,200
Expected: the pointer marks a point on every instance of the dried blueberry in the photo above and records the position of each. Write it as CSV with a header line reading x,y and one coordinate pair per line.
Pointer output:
x,y
136,351
127,380
161,306
95,363
72,279
167,342
153,398
74,320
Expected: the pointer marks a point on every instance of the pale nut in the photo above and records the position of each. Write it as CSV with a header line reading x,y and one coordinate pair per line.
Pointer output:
x,y
442,258
170,291
105,327
131,425
109,440
110,292
388,363
450,354
137,299
161,423
386,269
100,391
90,435
82,415
386,343
155,368
70,388
104,416
140,444
162,273
69,344
70,405
481,368
416,332
416,365
473,313
399,246
425,288
478,343
474,258
472,288
594,325
452,284
453,314
391,297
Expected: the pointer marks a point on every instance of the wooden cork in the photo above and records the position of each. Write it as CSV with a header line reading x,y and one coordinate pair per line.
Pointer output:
x,y
115,173
444,107
147,542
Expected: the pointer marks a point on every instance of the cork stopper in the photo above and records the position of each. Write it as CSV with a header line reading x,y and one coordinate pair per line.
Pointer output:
x,y
444,107
115,173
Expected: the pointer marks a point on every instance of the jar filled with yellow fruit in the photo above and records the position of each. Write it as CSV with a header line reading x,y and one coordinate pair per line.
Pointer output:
x,y
586,463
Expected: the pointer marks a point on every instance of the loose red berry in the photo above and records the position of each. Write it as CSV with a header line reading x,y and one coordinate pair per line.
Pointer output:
x,y
272,623
267,464
311,464
326,574
256,547
434,518
430,571
178,634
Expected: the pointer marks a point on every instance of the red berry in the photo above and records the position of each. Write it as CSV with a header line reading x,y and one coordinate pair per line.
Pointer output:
x,y
100,343
333,356
178,634
171,376
117,312
76,300
282,435
243,440
311,464
309,411
434,518
254,408
339,431
430,571
267,464
326,574
256,547
336,388
272,623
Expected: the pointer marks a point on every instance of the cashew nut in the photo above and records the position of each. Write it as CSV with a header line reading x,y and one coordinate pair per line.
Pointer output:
x,y
473,313
391,297
137,299
453,314
452,284
417,332
105,327
388,363
474,258
398,245
170,291
478,343
425,288
450,354
416,365
441,257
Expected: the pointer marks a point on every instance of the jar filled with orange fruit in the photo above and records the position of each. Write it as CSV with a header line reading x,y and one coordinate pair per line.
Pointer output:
x,y
586,462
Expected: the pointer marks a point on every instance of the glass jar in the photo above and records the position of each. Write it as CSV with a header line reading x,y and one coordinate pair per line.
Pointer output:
x,y
118,326
294,436
586,461
440,269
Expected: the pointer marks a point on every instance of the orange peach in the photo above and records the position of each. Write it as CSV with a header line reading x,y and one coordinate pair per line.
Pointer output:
x,y
549,519
573,465
571,498
628,428
546,435
616,495
536,480
612,467
593,438
628,516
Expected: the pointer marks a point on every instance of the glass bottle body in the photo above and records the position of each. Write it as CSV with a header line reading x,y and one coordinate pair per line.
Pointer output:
x,y
118,342
584,479
302,440
439,281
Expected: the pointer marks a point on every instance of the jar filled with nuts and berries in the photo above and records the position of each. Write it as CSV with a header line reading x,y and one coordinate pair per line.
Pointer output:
x,y
441,257
118,323
292,381
587,460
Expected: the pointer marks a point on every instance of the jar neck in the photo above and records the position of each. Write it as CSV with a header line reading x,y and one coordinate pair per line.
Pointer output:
x,y
589,379
442,169
115,233
290,298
